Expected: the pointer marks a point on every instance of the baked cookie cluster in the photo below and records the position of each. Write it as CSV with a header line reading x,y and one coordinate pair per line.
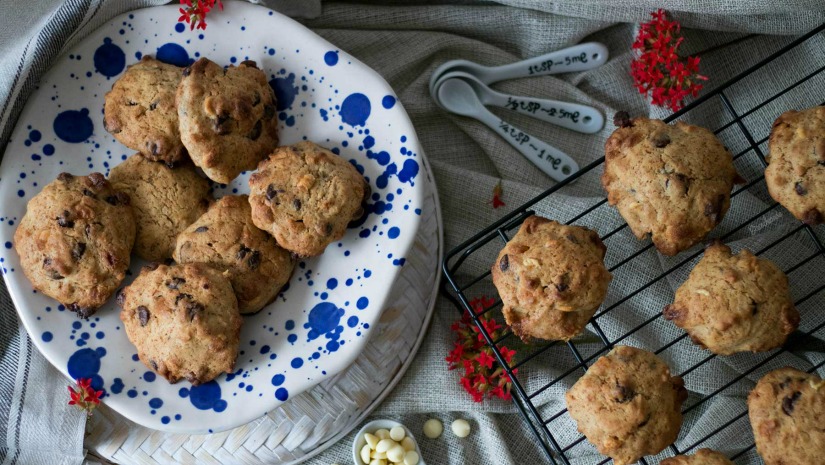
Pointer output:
x,y
222,258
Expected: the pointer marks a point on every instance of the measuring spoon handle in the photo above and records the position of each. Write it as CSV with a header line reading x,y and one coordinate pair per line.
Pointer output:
x,y
552,161
580,118
580,57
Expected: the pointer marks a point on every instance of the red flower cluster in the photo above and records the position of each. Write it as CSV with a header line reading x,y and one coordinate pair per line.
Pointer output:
x,y
85,397
482,374
195,14
659,69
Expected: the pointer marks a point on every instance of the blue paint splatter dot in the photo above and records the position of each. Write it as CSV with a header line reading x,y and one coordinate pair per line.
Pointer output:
x,y
135,357
21,193
149,377
292,338
285,91
8,245
165,420
117,386
132,393
173,54
290,325
352,321
109,59
271,51
364,233
156,403
180,27
388,101
331,58
85,363
47,336
409,171
355,110
278,380
99,335
323,319
362,303
393,232
264,349
367,273
297,362
332,283
35,136
369,142
207,396
177,416
73,126
282,394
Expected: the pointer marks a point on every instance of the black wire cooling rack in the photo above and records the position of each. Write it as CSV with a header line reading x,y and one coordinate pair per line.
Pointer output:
x,y
794,86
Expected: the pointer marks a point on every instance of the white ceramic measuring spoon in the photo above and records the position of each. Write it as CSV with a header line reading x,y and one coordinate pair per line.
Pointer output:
x,y
457,96
580,57
580,118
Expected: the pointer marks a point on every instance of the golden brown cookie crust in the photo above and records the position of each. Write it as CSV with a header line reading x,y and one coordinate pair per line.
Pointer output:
x,y
225,238
734,303
628,405
305,196
551,278
75,240
796,172
227,117
184,321
140,111
165,201
671,181
701,457
786,410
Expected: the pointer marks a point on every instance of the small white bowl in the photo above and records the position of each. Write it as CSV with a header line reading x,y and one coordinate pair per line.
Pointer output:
x,y
374,426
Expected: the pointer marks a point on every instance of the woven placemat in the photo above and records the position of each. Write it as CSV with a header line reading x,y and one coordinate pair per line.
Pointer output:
x,y
312,421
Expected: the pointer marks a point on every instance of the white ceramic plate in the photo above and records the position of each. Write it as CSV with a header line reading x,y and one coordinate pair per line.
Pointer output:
x,y
320,323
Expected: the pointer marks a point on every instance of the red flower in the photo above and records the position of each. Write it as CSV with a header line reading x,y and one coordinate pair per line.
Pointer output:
x,y
85,397
498,191
195,15
482,377
658,69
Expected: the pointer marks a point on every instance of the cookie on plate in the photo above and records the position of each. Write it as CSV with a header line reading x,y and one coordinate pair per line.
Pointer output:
x,y
627,404
75,240
305,196
140,111
225,238
796,171
734,303
671,181
551,278
184,321
701,457
227,117
165,201
786,409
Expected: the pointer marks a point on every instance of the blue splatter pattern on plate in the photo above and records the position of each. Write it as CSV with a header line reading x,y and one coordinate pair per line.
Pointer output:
x,y
321,321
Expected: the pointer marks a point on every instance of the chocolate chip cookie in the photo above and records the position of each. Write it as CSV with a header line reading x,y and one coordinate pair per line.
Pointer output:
x,y
184,321
671,181
305,195
225,238
628,405
786,409
796,173
165,200
734,303
551,278
140,111
227,117
75,239
701,457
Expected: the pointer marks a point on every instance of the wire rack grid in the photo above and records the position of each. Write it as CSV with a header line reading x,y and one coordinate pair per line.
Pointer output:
x,y
797,247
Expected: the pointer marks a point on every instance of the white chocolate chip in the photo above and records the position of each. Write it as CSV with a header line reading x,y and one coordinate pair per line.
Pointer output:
x,y
372,440
408,443
461,428
433,428
365,453
396,453
385,445
397,433
531,262
378,462
382,433
378,455
817,384
411,458
703,292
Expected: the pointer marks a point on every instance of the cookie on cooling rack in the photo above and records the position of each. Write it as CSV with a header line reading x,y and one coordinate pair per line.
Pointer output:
x,y
305,196
671,181
551,278
701,457
786,409
184,321
628,405
225,238
734,303
796,170
75,239
140,111
227,117
165,201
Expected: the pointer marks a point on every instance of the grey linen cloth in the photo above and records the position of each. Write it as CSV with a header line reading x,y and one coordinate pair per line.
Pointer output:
x,y
405,41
